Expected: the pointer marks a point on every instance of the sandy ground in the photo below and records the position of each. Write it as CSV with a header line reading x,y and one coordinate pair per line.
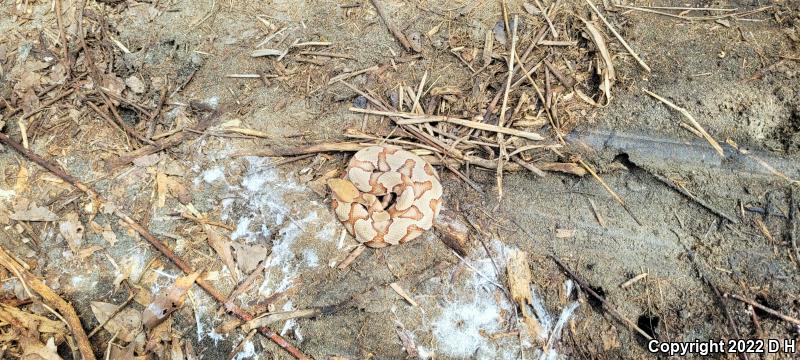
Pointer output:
x,y
737,77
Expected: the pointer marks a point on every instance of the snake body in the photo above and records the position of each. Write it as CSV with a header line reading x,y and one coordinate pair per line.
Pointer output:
x,y
388,196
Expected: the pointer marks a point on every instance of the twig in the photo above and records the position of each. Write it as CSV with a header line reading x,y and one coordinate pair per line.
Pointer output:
x,y
693,18
609,190
346,76
793,220
783,317
502,121
719,296
151,122
50,298
394,29
239,347
271,318
46,104
166,143
160,246
606,305
691,119
327,54
303,150
63,38
351,257
114,313
701,202
619,37
410,119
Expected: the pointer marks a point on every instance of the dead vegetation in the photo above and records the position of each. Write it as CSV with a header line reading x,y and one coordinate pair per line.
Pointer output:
x,y
71,96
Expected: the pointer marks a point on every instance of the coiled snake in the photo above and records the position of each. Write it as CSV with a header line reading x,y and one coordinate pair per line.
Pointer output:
x,y
387,197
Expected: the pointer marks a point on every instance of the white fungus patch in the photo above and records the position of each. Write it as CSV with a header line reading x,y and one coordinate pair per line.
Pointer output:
x,y
213,174
6,194
242,229
283,266
248,352
459,330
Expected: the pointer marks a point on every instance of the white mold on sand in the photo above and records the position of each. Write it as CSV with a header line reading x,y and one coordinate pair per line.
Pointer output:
x,y
213,174
265,202
248,352
460,329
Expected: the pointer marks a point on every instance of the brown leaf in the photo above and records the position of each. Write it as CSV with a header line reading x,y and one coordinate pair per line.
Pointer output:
x,y
249,256
33,349
34,213
453,231
161,189
71,229
126,324
222,246
166,303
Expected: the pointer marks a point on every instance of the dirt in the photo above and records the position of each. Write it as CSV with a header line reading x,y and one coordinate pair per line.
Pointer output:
x,y
738,78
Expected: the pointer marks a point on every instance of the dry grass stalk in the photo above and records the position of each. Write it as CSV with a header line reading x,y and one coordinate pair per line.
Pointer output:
x,y
692,121
609,75
619,37
650,9
410,119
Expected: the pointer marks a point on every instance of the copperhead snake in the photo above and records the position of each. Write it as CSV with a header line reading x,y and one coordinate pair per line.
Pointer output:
x,y
388,196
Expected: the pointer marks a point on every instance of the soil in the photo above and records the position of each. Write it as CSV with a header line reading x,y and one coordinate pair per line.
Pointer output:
x,y
738,77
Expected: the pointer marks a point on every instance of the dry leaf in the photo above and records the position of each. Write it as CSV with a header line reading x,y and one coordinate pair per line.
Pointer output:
x,y
126,324
147,160
608,75
71,229
453,231
34,213
161,189
249,256
33,349
166,303
222,246
125,353
136,85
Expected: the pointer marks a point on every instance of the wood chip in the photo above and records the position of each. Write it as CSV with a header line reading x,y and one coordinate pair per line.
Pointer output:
x,y
519,284
399,290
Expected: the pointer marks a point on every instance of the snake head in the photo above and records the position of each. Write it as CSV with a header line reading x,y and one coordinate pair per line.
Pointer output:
x,y
343,190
